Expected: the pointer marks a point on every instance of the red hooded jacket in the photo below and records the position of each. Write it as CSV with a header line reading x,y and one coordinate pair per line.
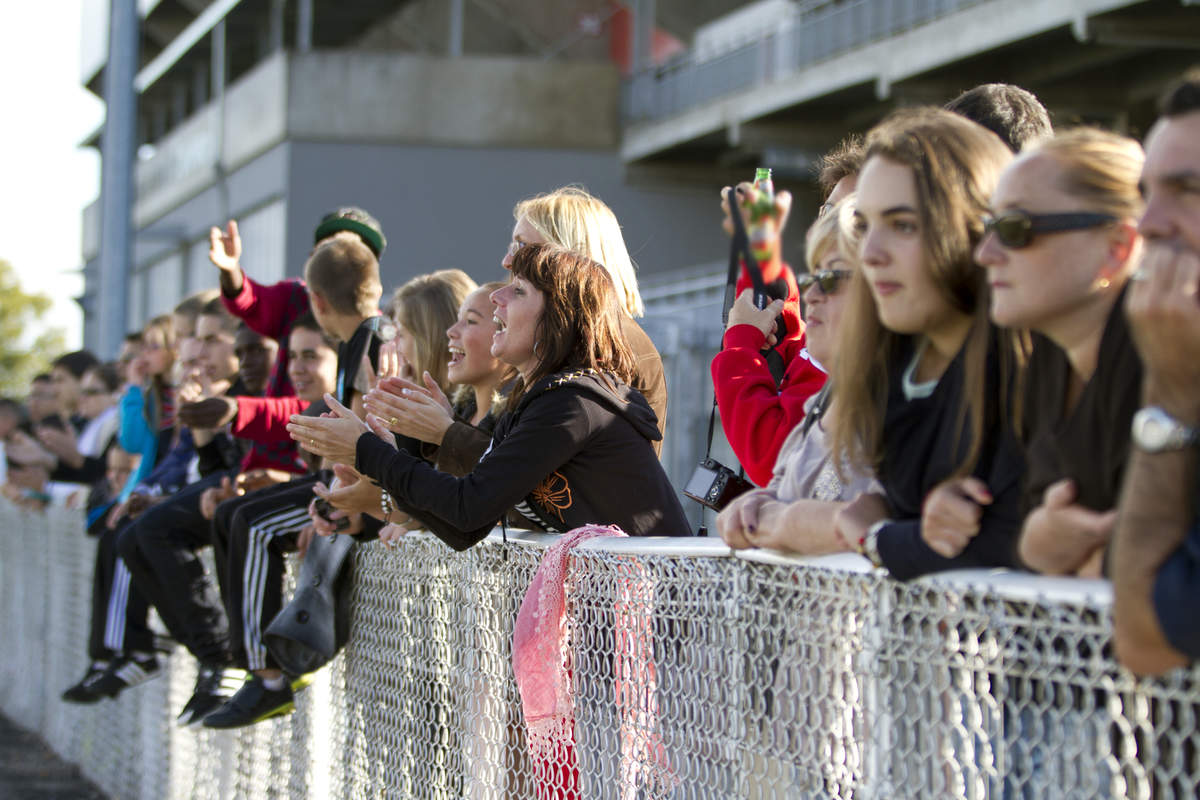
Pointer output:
x,y
755,414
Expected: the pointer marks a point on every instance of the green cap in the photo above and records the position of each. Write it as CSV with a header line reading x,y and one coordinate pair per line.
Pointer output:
x,y
356,221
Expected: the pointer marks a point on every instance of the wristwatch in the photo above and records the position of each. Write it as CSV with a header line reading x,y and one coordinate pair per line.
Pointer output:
x,y
869,546
1156,431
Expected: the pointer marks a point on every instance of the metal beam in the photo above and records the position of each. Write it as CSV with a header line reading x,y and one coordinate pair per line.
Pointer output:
x,y
186,40
304,25
116,175
644,15
454,47
275,26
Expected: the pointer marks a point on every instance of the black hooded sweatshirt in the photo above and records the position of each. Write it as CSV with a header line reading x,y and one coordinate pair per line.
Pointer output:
x,y
576,450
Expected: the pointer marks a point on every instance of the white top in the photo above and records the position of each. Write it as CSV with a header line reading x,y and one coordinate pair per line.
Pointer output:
x,y
804,469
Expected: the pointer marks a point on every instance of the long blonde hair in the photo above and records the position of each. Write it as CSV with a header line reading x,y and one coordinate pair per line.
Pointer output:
x,y
570,217
426,306
955,165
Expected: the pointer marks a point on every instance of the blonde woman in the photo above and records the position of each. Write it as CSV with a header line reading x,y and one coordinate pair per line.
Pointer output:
x,y
571,218
1060,246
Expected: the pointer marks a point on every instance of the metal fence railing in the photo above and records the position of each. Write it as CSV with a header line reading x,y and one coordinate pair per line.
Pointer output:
x,y
818,31
696,673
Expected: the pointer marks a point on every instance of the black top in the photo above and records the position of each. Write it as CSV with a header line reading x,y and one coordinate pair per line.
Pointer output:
x,y
370,333
575,451
1090,444
923,441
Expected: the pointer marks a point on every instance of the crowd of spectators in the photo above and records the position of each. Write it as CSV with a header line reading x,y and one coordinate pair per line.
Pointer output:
x,y
992,359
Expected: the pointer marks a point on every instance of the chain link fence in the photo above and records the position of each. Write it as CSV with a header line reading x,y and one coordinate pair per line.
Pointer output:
x,y
695,673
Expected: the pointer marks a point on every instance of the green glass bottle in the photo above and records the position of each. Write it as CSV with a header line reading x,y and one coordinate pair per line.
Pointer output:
x,y
762,218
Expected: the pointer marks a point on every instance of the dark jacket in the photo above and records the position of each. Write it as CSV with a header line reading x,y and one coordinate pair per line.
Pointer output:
x,y
924,439
576,450
1090,444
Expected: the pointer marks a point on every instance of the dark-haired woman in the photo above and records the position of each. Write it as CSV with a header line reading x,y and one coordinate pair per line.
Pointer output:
x,y
576,446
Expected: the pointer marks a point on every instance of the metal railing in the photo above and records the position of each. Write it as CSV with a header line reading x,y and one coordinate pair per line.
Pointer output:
x,y
818,32
757,676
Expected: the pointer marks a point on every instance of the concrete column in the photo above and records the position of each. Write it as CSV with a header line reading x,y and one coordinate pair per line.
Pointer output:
x,y
117,147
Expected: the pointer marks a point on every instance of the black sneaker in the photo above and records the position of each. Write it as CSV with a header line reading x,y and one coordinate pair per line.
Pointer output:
x,y
254,702
80,693
214,685
121,674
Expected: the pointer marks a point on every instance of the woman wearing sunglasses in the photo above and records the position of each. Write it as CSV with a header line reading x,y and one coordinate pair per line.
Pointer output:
x,y
918,372
575,446
1058,252
795,511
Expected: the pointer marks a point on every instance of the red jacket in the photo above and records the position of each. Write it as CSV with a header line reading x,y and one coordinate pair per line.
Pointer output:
x,y
755,415
270,311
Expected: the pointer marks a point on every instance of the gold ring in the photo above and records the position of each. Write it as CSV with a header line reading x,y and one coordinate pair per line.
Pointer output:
x,y
312,441
393,422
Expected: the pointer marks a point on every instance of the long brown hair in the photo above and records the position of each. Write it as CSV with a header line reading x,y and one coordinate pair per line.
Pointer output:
x,y
580,325
955,164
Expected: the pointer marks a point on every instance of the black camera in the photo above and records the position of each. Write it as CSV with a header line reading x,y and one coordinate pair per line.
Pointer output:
x,y
323,510
714,485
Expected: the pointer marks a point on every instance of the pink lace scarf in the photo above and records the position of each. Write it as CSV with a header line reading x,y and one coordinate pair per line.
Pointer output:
x,y
542,665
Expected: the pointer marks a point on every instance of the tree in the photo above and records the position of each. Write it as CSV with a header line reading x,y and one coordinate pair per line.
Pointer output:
x,y
26,346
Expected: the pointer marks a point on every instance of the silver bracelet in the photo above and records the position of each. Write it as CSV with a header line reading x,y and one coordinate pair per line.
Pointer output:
x,y
385,505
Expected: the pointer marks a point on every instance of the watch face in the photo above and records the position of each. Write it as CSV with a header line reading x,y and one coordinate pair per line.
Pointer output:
x,y
1154,431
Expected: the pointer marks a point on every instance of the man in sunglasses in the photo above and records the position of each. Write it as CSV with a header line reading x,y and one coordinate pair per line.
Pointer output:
x,y
1156,551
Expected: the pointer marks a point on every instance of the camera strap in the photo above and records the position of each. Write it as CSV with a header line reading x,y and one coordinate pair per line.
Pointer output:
x,y
739,253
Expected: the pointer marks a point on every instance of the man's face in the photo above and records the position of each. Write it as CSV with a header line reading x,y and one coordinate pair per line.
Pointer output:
x,y
191,361
1171,182
43,400
255,355
216,347
66,388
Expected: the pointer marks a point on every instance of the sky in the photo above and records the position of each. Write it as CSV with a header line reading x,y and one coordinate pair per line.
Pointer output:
x,y
46,178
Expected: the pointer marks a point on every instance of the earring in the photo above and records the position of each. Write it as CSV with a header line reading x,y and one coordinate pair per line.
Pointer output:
x,y
1103,283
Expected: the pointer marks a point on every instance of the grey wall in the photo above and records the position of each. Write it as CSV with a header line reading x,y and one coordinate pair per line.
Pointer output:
x,y
452,207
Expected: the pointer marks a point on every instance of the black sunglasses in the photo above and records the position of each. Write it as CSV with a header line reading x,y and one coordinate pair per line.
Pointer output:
x,y
1016,229
827,280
